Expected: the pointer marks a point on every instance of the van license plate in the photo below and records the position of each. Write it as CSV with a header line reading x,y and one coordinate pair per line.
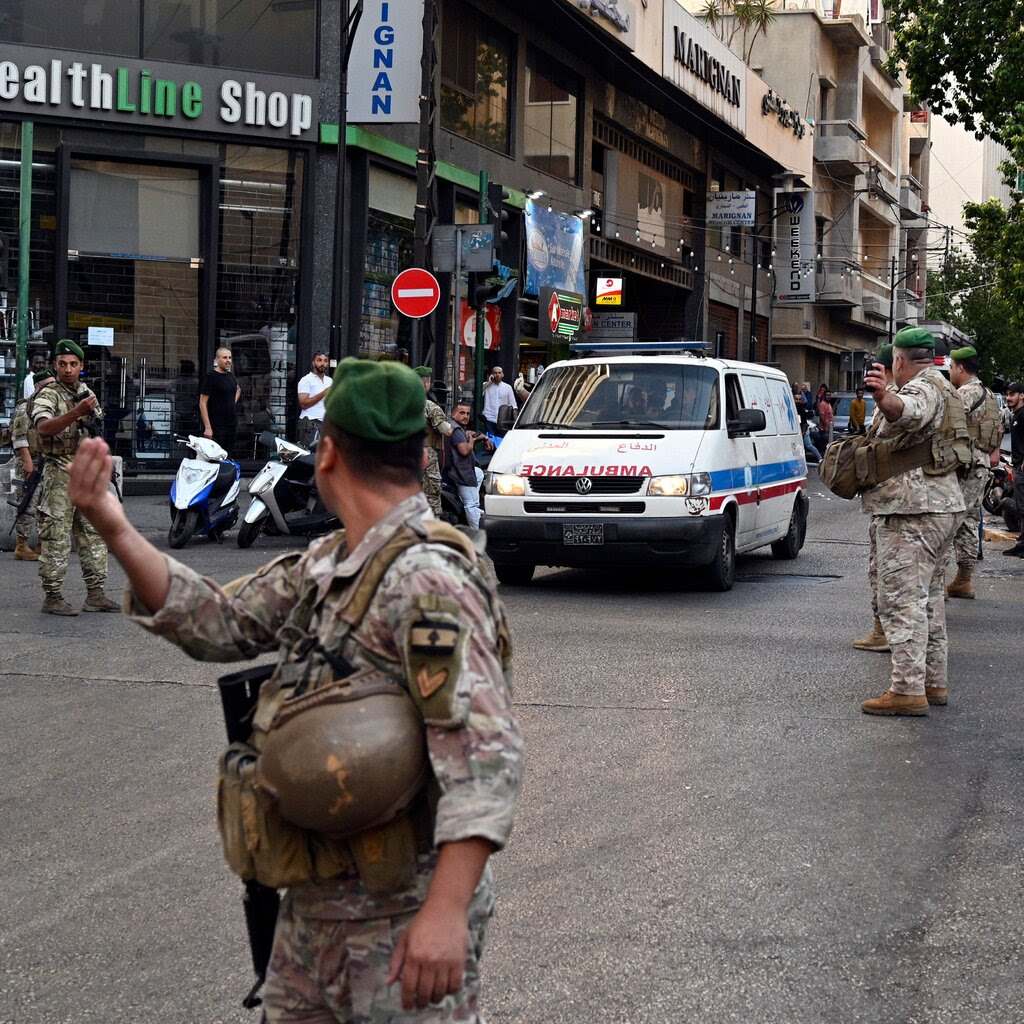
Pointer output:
x,y
583,533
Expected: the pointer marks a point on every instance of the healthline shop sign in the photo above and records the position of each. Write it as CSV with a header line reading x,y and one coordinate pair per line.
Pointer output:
x,y
148,94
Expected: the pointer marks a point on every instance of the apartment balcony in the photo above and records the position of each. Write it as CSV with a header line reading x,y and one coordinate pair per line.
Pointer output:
x,y
839,148
840,285
909,307
910,197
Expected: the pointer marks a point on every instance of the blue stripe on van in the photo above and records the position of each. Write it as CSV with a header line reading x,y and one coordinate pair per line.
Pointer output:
x,y
764,473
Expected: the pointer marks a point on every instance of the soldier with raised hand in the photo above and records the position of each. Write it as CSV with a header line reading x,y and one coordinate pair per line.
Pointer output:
x,y
919,512
427,622
963,375
875,640
25,441
438,428
61,412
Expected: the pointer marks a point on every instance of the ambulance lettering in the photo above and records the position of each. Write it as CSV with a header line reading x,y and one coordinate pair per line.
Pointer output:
x,y
531,469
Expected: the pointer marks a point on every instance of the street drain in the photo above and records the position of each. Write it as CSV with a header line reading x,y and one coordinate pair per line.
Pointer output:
x,y
784,577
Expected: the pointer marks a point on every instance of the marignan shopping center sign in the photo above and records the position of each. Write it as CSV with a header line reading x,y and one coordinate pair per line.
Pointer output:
x,y
147,94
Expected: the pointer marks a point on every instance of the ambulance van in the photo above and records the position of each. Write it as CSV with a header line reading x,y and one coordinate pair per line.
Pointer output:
x,y
660,460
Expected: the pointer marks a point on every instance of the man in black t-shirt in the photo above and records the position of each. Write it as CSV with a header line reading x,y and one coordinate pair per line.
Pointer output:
x,y
459,465
1015,401
218,396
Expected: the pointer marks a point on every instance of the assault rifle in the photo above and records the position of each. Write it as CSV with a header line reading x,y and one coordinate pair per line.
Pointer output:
x,y
239,692
87,425
28,488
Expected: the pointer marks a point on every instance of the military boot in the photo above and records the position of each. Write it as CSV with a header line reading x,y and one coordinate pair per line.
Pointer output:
x,y
23,552
873,641
56,605
892,703
97,601
962,585
38,549
937,695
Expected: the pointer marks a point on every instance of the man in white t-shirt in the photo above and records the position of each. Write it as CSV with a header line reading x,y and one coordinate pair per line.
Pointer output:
x,y
36,364
496,394
313,390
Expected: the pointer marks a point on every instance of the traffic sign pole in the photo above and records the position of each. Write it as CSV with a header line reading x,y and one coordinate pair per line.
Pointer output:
x,y
481,326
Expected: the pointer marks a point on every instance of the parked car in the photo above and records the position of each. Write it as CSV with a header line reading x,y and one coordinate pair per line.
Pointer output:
x,y
841,407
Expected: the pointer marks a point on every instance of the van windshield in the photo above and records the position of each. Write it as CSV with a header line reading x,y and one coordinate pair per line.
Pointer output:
x,y
594,395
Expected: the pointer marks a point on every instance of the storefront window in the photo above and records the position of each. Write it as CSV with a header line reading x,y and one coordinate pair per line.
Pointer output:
x,y
258,282
552,112
389,250
477,59
95,26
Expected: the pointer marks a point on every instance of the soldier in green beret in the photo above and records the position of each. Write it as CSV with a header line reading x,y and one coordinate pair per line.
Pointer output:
x,y
438,428
61,413
918,513
432,626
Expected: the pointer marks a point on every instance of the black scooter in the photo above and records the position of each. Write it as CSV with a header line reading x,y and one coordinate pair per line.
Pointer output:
x,y
283,495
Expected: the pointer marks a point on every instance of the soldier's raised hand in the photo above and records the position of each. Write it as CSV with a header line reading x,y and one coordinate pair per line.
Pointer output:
x,y
85,406
90,482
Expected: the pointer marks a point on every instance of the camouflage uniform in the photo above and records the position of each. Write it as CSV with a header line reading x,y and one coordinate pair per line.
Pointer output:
x,y
868,500
972,483
430,479
23,435
918,514
334,939
58,520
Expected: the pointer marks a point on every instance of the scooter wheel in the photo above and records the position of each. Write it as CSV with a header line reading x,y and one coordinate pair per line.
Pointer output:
x,y
183,525
250,531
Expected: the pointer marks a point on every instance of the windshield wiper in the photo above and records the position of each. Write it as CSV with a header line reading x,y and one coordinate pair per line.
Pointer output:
x,y
628,423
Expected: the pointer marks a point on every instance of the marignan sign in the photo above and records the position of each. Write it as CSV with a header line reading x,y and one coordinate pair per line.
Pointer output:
x,y
384,67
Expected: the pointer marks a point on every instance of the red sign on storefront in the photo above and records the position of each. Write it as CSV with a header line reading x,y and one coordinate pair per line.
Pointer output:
x,y
492,326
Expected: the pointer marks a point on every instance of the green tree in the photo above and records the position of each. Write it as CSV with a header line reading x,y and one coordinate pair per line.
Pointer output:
x,y
746,19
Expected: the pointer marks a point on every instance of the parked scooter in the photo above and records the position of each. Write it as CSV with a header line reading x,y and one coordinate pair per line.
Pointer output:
x,y
284,497
204,493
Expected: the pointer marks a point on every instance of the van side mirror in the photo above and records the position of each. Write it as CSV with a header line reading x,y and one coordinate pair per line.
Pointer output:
x,y
506,417
747,421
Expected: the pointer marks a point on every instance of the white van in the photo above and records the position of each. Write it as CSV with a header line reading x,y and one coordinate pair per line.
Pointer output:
x,y
666,460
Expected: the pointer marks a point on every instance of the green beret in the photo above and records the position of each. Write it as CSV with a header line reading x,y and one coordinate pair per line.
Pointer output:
x,y
38,378
884,356
66,347
376,401
423,371
914,337
960,354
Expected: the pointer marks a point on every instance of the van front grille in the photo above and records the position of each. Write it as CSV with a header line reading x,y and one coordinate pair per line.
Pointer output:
x,y
599,484
619,508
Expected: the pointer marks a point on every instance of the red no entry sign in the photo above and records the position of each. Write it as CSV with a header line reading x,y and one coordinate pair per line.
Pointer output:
x,y
415,293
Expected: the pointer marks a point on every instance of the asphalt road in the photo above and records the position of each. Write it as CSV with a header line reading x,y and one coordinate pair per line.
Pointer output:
x,y
710,830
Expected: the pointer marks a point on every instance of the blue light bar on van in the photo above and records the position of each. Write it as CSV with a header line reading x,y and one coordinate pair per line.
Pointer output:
x,y
638,346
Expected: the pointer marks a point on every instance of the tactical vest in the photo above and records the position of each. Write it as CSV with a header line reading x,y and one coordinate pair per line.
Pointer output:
x,y
66,442
986,430
855,464
259,841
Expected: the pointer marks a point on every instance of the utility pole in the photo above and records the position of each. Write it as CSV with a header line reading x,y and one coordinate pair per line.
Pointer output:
x,y
426,189
753,286
481,319
892,296
341,345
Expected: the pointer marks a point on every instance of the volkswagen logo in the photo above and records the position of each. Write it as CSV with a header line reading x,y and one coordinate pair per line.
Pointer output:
x,y
584,485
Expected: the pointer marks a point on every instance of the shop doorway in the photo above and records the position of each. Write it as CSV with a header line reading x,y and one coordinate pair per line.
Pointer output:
x,y
135,290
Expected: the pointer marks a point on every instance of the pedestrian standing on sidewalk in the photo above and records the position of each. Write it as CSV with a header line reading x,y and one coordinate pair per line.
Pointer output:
x,y
27,453
36,365
919,514
979,404
1015,401
218,402
61,413
869,500
313,390
497,392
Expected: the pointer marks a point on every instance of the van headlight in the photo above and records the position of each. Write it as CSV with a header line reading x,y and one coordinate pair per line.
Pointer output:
x,y
680,485
507,484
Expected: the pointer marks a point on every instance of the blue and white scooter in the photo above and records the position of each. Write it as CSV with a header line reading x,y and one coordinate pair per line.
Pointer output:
x,y
204,493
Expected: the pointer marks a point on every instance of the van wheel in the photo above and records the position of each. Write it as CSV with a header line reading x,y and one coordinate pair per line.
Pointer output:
x,y
514,575
790,545
721,573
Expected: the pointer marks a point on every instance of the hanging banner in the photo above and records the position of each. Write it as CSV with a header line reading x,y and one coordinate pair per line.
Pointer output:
x,y
732,208
384,68
554,250
794,270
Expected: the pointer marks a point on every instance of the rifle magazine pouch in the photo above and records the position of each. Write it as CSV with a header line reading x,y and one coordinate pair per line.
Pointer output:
x,y
866,462
385,857
258,843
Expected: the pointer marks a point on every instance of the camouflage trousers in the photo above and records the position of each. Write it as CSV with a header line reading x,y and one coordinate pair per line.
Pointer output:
x,y
911,553
965,542
58,522
334,972
27,520
873,562
430,482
